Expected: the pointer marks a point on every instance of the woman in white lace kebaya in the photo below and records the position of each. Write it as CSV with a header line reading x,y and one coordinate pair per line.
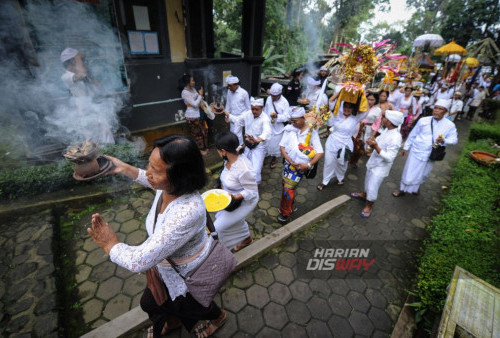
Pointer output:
x,y
176,171
238,178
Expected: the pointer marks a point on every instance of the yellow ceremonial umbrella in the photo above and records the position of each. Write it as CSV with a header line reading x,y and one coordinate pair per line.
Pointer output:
x,y
451,48
472,62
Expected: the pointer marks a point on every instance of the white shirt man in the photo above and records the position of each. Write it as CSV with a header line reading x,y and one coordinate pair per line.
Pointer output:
x,y
386,148
314,94
277,108
456,107
420,142
237,102
257,132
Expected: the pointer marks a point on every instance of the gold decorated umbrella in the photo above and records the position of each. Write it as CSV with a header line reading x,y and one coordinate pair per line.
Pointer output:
x,y
448,49
451,48
472,62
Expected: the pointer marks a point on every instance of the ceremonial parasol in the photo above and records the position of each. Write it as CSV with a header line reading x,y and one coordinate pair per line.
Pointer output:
x,y
431,40
448,49
451,48
472,62
453,58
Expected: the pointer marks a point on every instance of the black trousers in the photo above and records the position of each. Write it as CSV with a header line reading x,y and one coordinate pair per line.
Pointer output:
x,y
186,308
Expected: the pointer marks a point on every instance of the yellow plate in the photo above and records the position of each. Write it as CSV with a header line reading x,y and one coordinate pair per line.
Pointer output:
x,y
216,199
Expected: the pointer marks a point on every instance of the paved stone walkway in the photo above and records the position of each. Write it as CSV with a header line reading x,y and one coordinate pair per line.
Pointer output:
x,y
268,298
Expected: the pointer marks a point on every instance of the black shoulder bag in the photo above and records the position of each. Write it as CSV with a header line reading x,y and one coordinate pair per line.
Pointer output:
x,y
438,151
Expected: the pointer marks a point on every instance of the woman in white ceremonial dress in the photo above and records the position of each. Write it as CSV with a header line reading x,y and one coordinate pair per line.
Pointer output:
x,y
238,178
339,145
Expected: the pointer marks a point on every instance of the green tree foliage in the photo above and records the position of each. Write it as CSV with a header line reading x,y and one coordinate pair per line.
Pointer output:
x,y
227,26
465,21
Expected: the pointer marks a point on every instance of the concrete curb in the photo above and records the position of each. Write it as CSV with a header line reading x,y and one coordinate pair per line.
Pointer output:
x,y
136,318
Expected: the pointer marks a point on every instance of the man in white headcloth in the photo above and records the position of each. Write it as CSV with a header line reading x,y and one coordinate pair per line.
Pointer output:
x,y
385,149
322,75
257,132
83,87
427,133
237,102
314,94
456,107
296,160
276,108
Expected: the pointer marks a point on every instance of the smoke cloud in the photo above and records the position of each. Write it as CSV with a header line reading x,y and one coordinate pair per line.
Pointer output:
x,y
36,108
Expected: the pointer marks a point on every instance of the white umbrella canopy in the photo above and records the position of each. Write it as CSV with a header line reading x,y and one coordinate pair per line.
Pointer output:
x,y
431,40
453,58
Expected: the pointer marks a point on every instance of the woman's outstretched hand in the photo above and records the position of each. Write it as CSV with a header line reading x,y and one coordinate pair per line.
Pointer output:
x,y
102,233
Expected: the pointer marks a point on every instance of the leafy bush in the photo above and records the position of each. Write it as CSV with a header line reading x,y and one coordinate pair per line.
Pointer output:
x,y
464,233
481,131
35,180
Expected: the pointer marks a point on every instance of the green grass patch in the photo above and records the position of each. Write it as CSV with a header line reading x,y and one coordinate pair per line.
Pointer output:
x,y
465,232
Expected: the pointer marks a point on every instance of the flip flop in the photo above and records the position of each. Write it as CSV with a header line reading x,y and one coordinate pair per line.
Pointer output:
x,y
272,165
358,196
398,193
321,186
366,214
340,183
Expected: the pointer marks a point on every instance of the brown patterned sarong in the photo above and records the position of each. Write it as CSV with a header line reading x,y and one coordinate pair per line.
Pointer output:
x,y
198,132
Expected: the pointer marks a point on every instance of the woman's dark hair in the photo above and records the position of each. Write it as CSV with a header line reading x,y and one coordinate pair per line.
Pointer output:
x,y
375,96
186,169
387,93
183,81
229,142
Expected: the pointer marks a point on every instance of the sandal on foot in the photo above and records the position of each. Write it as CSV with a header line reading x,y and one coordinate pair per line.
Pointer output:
x,y
149,332
321,186
340,183
366,213
172,323
398,193
272,165
358,196
244,243
208,327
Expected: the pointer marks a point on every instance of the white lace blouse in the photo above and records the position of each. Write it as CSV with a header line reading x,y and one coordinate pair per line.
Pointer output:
x,y
240,179
179,233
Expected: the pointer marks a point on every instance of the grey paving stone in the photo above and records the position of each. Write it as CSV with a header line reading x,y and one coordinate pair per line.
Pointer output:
x,y
233,299
360,323
340,327
21,271
275,316
283,275
92,310
16,324
263,277
103,271
293,330
45,304
339,286
380,319
134,285
96,257
116,306
130,226
357,284
339,305
46,324
137,237
243,279
17,290
287,259
319,308
317,329
268,333
87,290
20,306
257,296
300,291
358,301
298,312
320,287
124,215
109,288
250,320
83,273
393,311
279,293
376,298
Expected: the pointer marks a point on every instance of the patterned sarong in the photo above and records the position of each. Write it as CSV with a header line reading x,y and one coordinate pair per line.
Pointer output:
x,y
291,178
198,132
